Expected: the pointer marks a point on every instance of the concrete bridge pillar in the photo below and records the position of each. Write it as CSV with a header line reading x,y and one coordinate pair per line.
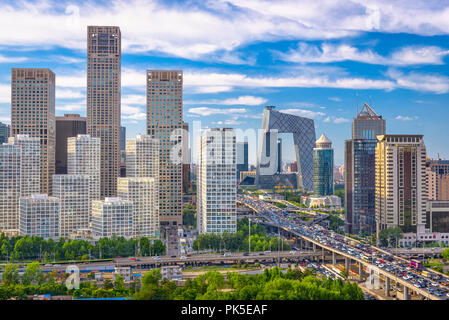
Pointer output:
x,y
360,272
313,247
334,258
387,286
323,256
347,263
406,293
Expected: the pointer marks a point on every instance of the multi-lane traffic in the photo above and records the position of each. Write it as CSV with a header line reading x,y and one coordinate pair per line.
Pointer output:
x,y
425,281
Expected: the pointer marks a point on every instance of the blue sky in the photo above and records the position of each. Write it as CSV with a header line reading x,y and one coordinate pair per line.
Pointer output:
x,y
310,58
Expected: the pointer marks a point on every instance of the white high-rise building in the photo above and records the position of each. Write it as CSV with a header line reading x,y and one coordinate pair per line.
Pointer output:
x,y
401,189
83,158
142,157
142,193
31,157
112,216
217,188
10,183
39,216
74,195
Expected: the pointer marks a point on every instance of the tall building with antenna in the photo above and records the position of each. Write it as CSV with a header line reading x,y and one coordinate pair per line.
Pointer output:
x,y
360,171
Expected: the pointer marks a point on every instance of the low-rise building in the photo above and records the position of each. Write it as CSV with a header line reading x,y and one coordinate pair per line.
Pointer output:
x,y
171,272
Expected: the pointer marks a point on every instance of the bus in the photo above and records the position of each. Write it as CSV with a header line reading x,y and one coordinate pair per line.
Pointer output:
x,y
416,264
366,257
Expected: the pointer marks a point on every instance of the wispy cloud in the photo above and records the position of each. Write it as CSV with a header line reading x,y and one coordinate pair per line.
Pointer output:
x,y
205,111
409,55
304,113
406,118
242,100
4,59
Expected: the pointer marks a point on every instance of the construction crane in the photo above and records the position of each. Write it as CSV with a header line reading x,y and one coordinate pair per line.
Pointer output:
x,y
280,187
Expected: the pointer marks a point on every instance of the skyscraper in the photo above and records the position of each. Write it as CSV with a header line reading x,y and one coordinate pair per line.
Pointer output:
x,y
242,158
217,188
33,113
359,171
186,158
73,193
401,190
142,192
142,157
323,167
70,125
30,163
103,100
122,151
279,169
10,183
83,158
438,179
141,185
164,122
5,132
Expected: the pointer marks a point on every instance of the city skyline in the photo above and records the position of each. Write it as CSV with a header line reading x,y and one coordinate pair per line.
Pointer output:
x,y
399,69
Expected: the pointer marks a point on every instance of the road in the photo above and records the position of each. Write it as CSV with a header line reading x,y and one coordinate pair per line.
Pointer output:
x,y
433,286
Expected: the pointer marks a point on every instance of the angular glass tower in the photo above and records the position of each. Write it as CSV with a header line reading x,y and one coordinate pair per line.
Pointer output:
x,y
323,167
303,130
360,171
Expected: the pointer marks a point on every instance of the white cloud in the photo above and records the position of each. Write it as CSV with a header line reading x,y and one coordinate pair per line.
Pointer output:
x,y
406,118
5,93
242,100
409,55
304,113
205,111
336,120
336,99
68,94
77,106
419,81
4,59
199,30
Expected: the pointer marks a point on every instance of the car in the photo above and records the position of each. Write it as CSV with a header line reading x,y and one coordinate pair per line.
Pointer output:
x,y
183,257
156,258
226,254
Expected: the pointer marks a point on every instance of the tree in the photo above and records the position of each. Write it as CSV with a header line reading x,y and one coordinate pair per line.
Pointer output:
x,y
119,283
11,275
107,284
445,254
31,273
390,236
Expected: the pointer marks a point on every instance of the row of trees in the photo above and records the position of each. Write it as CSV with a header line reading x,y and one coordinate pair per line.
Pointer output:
x,y
271,285
34,281
239,241
37,248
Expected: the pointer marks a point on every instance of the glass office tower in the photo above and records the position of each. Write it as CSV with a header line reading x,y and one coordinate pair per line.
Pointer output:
x,y
323,167
360,171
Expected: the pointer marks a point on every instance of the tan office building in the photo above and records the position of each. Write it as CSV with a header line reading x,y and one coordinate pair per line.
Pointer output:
x,y
401,188
103,100
33,114
164,122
